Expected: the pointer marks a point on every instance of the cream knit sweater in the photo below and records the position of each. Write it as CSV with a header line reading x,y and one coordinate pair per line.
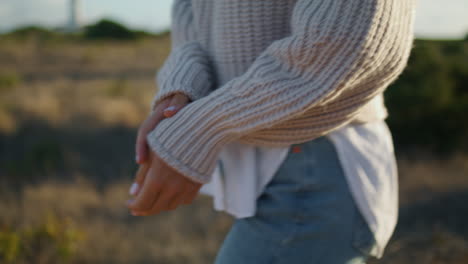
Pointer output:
x,y
275,72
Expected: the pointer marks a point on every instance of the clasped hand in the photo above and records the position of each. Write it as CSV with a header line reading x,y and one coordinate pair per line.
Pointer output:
x,y
158,187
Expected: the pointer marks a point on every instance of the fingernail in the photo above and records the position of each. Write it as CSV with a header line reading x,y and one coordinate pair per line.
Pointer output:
x,y
137,159
134,188
170,108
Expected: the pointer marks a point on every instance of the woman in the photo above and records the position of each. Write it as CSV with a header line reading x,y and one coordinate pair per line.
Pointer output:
x,y
277,108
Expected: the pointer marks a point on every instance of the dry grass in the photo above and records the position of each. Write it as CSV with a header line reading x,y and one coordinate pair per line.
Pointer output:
x,y
433,222
68,118
431,229
64,83
111,235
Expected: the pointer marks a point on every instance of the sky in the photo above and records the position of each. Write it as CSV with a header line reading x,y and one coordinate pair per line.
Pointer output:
x,y
435,18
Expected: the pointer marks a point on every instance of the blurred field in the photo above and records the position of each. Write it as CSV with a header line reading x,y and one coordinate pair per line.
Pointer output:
x,y
69,110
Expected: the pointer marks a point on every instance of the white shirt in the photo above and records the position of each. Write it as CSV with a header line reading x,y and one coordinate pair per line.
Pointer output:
x,y
366,154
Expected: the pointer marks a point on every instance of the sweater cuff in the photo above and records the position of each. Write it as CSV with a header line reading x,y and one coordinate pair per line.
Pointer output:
x,y
176,163
186,70
191,140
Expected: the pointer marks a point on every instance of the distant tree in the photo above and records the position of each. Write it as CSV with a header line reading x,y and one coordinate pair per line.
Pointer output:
x,y
28,31
429,102
107,29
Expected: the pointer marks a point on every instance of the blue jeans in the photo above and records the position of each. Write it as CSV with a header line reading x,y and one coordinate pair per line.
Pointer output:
x,y
306,214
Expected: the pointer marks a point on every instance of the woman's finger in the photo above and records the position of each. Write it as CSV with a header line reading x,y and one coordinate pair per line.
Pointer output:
x,y
149,192
190,196
139,178
178,101
179,199
141,146
162,202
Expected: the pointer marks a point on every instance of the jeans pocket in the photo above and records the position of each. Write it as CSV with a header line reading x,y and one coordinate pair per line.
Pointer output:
x,y
363,239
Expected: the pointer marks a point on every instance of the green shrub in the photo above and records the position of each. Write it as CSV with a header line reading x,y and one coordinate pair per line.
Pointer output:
x,y
54,241
9,245
8,80
32,30
429,102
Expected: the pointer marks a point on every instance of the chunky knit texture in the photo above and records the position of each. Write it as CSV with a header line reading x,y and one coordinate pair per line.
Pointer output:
x,y
275,73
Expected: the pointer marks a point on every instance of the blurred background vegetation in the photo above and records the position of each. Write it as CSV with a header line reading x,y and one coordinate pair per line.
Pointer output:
x,y
70,104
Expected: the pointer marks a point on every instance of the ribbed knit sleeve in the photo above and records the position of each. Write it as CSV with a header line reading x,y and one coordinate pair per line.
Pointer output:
x,y
187,68
339,56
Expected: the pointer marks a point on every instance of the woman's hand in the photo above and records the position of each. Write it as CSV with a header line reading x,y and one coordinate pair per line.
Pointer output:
x,y
166,108
163,188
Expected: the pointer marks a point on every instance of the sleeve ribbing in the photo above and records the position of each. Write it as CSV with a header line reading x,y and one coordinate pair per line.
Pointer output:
x,y
187,68
339,56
